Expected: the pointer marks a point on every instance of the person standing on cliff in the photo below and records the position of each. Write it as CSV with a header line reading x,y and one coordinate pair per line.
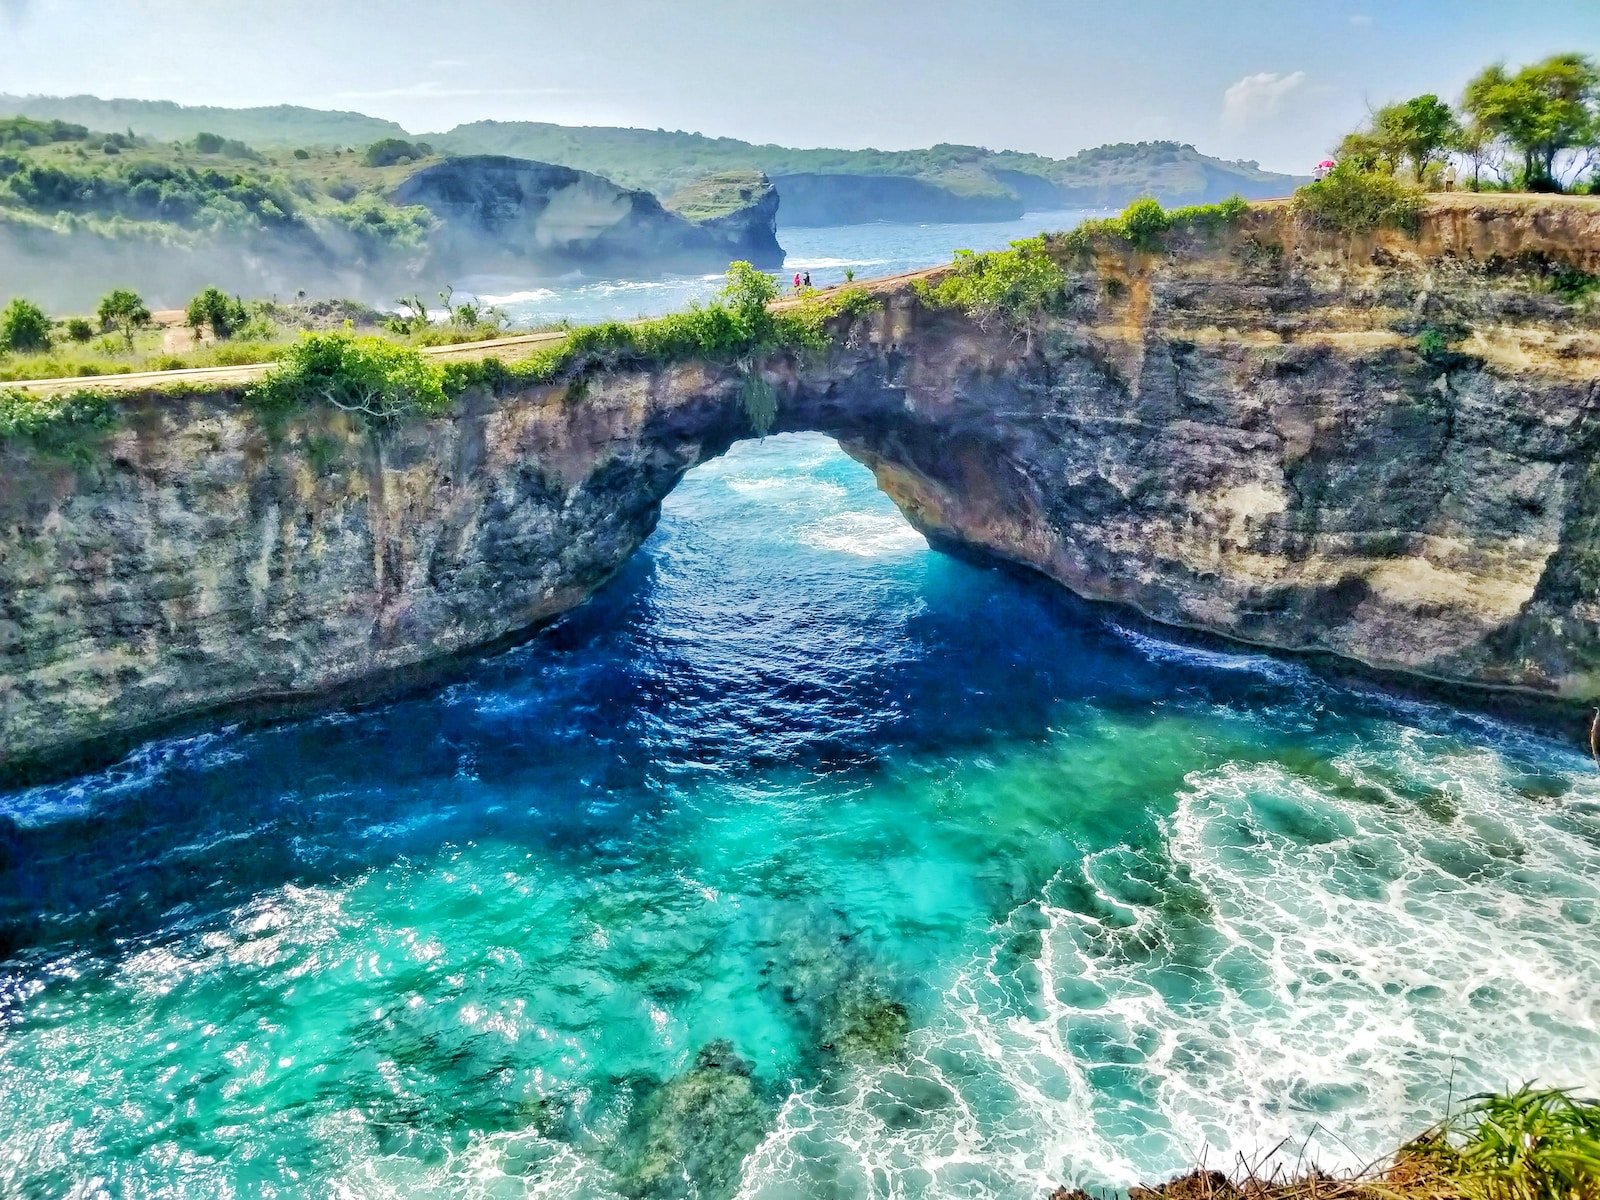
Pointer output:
x,y
808,278
797,281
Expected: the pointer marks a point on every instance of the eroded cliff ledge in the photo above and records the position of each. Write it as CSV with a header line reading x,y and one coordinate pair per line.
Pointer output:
x,y
1381,448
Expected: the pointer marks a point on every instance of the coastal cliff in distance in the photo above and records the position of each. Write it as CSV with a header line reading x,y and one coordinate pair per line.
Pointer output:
x,y
170,220
510,215
1380,447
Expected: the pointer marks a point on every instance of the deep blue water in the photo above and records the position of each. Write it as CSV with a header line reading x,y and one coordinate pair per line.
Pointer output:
x,y
969,890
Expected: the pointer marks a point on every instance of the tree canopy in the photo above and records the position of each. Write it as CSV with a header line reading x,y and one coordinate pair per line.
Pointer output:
x,y
1539,111
1545,115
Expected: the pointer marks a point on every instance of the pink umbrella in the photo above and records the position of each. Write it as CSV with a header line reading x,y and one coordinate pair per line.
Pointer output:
x,y
1326,164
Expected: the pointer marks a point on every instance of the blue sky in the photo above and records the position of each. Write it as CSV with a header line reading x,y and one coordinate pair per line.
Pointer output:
x,y
1272,80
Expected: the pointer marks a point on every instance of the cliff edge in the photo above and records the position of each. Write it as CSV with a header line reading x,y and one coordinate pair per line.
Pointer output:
x,y
1380,447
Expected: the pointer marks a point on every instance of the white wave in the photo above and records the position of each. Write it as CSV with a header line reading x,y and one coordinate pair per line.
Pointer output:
x,y
532,296
1299,968
815,488
866,535
1157,650
144,766
824,264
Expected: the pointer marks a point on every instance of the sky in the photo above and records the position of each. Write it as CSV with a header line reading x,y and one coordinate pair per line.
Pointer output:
x,y
1276,81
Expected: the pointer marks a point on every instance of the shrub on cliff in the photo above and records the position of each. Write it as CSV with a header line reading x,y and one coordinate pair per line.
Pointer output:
x,y
24,327
1009,285
1144,224
380,381
1351,200
65,425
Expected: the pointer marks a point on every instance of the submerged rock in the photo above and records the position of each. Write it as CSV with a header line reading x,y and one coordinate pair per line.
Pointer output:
x,y
690,1136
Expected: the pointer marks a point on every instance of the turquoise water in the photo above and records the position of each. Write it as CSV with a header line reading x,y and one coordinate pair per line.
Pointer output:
x,y
801,862
825,253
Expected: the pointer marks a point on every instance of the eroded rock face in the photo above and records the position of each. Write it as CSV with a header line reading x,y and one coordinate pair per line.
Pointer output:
x,y
512,214
1380,450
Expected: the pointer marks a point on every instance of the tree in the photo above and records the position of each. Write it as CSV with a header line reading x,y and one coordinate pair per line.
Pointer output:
x,y
1540,111
216,308
1418,131
124,311
24,327
1478,146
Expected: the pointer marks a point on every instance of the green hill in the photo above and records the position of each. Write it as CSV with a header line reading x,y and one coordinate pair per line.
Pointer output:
x,y
819,186
967,182
279,125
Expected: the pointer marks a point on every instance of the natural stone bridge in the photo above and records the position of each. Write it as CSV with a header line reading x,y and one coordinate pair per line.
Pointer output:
x,y
1250,438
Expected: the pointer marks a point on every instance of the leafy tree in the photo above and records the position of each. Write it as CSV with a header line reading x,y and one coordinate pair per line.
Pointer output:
x,y
216,308
24,327
748,292
124,311
1540,111
1418,131
386,152
79,330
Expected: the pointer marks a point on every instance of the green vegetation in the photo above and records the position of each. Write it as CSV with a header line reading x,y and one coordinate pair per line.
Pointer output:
x,y
17,132
161,120
718,195
389,152
64,426
1572,285
124,311
1531,1144
1547,115
1011,285
386,382
192,193
666,162
381,381
1017,284
24,327
1352,200
215,143
1144,224
216,310
1538,112
1418,132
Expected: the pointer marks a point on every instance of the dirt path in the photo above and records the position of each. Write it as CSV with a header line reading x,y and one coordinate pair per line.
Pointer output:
x,y
177,338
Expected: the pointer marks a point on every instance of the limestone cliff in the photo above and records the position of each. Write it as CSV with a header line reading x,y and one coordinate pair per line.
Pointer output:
x,y
1381,448
500,214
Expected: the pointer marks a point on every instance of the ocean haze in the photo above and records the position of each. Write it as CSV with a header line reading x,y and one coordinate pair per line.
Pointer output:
x,y
1249,79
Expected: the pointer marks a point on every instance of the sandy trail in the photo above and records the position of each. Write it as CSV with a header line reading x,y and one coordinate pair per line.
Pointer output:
x,y
178,338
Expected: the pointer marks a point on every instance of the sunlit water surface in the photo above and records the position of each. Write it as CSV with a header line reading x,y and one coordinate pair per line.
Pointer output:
x,y
951,887
826,254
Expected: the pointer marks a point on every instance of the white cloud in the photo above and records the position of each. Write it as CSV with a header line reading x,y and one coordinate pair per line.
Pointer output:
x,y
1258,97
1361,19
